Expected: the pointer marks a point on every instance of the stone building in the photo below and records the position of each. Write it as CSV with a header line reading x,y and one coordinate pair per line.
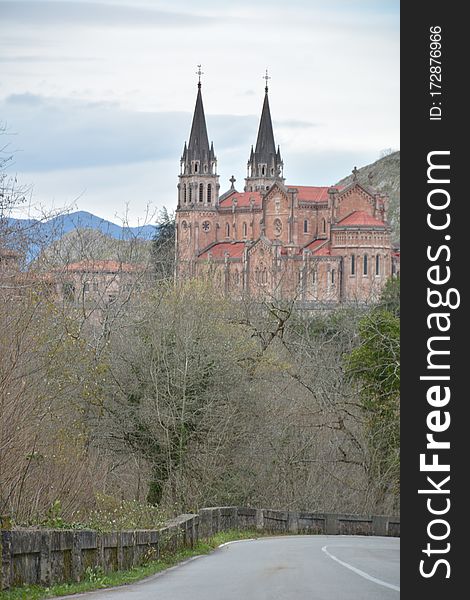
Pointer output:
x,y
97,283
318,245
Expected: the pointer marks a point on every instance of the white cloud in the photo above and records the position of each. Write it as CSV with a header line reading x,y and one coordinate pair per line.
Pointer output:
x,y
88,86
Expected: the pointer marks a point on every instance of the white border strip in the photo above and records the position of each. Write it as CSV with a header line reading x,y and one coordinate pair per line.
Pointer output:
x,y
236,542
361,573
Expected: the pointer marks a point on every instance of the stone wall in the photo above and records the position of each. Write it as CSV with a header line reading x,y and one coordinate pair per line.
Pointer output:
x,y
46,556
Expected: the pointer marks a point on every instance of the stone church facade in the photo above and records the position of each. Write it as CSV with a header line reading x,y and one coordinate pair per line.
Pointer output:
x,y
317,245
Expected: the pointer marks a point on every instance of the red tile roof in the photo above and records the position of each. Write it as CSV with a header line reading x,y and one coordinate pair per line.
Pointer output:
x,y
234,249
243,199
358,218
323,251
315,245
102,266
308,193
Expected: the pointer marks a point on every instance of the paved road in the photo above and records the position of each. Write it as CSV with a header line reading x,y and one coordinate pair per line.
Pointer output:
x,y
278,568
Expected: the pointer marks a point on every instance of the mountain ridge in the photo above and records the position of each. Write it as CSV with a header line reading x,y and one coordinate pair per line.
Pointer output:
x,y
61,224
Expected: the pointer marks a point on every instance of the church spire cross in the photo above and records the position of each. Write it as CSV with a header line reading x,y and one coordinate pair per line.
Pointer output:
x,y
266,78
232,181
199,72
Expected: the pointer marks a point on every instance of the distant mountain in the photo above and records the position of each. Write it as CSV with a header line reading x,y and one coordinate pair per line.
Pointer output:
x,y
55,228
385,177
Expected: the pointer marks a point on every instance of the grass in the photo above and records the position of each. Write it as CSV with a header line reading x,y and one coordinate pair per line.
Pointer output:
x,y
95,578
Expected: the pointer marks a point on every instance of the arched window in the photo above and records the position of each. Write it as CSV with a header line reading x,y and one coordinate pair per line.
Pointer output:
x,y
353,264
209,193
227,230
244,229
263,170
365,264
377,265
184,193
195,167
305,226
190,194
201,192
333,275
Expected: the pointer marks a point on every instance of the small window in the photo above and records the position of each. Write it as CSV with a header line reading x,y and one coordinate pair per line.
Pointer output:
x,y
377,265
323,227
209,193
305,226
353,264
195,167
365,264
68,291
333,276
190,194
263,171
314,277
184,193
245,230
227,230
201,192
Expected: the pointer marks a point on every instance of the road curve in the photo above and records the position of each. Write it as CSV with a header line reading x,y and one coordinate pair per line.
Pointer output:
x,y
277,568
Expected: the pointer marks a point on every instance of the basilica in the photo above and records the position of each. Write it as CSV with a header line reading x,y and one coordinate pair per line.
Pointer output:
x,y
314,244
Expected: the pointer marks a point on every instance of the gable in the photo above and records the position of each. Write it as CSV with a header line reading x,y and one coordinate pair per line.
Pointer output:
x,y
354,198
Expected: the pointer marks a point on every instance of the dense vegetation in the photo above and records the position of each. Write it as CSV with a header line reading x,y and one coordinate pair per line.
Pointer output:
x,y
174,397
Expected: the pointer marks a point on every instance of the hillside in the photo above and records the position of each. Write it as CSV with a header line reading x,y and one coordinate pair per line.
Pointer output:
x,y
91,244
385,178
59,225
76,228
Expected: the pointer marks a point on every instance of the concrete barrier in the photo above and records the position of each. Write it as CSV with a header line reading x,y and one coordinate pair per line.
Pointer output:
x,y
46,556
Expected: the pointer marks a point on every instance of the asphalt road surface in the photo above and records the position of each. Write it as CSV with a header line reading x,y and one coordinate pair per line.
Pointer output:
x,y
278,568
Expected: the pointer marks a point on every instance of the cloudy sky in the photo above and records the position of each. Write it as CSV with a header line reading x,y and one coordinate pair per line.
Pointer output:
x,y
98,96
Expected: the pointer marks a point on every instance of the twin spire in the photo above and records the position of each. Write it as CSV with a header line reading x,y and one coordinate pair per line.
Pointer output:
x,y
264,165
198,149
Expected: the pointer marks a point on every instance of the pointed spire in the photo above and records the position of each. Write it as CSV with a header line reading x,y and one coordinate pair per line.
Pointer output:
x,y
265,145
265,162
198,147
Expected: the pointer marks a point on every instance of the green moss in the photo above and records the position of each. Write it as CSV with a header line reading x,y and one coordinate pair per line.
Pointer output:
x,y
97,579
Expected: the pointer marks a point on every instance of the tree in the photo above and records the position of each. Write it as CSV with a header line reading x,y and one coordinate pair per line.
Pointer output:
x,y
163,245
375,366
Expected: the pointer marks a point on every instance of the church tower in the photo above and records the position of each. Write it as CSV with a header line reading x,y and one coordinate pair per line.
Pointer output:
x,y
198,180
265,165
